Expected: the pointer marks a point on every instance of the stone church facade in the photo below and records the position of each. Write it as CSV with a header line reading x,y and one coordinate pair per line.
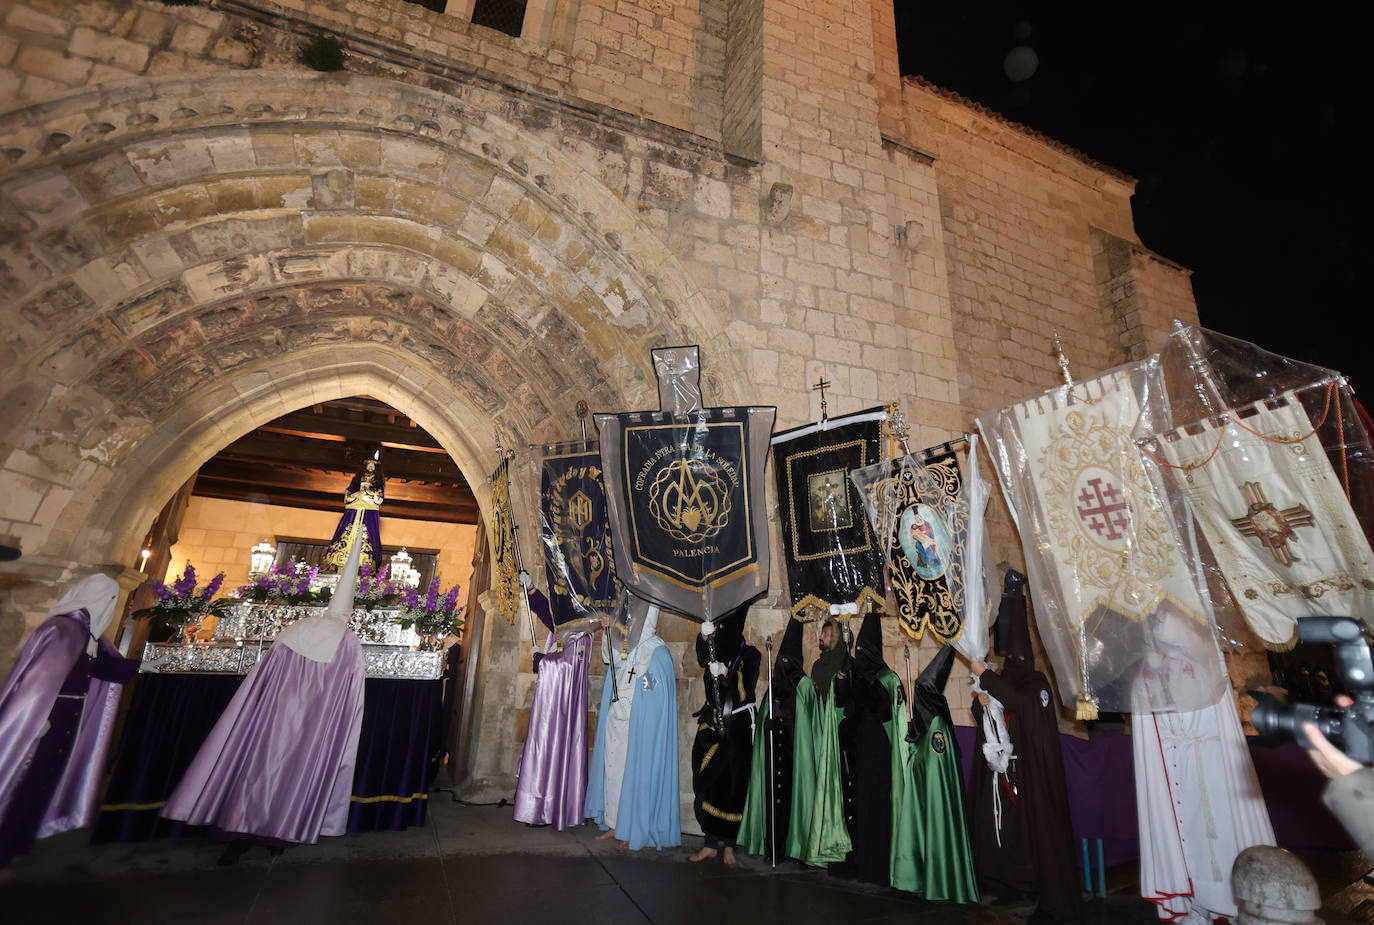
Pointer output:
x,y
199,234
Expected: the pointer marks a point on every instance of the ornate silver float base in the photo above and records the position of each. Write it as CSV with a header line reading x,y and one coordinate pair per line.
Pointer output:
x,y
231,658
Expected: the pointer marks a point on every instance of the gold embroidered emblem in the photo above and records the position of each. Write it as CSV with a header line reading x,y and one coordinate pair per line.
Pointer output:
x,y
689,499
1271,526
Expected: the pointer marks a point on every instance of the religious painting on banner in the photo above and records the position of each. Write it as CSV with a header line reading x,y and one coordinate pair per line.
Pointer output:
x,y
578,551
1258,480
505,567
1110,581
833,560
921,519
685,493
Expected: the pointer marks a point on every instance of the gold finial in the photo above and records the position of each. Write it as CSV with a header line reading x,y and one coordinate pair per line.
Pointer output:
x,y
1063,360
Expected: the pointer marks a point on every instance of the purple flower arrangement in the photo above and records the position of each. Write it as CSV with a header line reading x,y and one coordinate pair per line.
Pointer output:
x,y
290,583
183,602
432,613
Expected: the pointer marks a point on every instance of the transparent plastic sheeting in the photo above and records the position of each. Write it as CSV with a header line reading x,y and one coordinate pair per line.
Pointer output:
x,y
834,564
579,558
1117,605
685,496
1269,459
921,511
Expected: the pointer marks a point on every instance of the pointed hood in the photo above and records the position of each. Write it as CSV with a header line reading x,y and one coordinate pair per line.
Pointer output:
x,y
729,633
928,691
868,650
318,637
1020,660
789,659
539,606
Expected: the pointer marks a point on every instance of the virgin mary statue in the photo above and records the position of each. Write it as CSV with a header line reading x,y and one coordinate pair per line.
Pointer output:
x,y
362,504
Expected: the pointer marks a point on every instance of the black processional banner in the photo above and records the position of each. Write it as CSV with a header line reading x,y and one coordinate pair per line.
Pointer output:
x,y
832,556
578,552
685,495
923,543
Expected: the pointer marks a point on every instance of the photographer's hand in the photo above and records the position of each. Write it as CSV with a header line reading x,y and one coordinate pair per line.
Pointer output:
x,y
1329,759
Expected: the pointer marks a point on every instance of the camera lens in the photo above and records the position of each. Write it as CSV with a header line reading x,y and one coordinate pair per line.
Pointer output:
x,y
1278,722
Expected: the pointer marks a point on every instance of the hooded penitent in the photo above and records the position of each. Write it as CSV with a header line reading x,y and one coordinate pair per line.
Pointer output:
x,y
937,779
879,712
56,712
632,783
1032,850
822,779
278,766
725,729
768,806
552,785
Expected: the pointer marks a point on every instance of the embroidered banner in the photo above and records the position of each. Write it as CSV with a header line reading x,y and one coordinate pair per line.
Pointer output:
x,y
832,555
1109,581
685,497
1275,515
922,521
505,570
578,552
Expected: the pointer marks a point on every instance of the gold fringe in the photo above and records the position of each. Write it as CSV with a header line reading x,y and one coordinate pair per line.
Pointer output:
x,y
1288,646
1087,710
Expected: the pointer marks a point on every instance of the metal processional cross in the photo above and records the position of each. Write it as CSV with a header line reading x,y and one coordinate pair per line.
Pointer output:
x,y
820,386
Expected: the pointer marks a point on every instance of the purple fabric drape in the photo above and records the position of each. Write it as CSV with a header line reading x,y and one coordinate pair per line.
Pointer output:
x,y
402,737
279,763
171,716
553,766
169,719
1101,779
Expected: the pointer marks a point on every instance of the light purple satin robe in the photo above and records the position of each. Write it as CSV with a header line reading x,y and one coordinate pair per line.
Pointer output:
x,y
553,766
279,763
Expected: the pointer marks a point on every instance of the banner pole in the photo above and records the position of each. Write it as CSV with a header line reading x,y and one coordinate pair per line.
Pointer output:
x,y
525,579
772,761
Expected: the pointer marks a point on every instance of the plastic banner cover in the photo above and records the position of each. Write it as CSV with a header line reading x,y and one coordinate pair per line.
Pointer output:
x,y
579,557
921,517
1269,458
685,495
834,564
1118,608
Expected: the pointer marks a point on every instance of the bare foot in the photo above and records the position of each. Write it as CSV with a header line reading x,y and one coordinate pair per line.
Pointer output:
x,y
609,833
705,853
730,857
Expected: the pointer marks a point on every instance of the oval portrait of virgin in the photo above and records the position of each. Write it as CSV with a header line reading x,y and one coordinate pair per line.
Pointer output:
x,y
925,541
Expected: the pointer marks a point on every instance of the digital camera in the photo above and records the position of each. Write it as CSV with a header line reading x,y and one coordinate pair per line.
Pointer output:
x,y
1348,728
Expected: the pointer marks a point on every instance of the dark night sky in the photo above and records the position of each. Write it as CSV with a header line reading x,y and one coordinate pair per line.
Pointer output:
x,y
1239,124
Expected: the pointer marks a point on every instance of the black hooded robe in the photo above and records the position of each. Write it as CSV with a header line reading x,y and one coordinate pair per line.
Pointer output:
x,y
872,710
1036,854
764,828
722,749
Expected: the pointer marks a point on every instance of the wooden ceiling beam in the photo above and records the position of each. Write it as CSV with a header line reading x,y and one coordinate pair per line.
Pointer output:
x,y
315,501
326,427
328,483
278,449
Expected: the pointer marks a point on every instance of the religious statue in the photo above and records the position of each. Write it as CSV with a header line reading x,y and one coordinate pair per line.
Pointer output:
x,y
362,503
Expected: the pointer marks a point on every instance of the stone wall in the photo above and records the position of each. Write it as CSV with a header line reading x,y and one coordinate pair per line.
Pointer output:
x,y
197,235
